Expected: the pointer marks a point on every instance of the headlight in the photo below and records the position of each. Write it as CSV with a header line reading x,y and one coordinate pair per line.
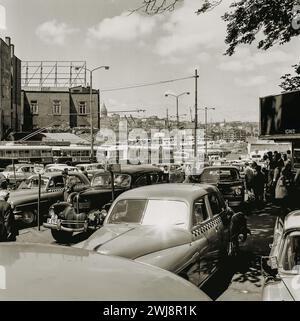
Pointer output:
x,y
52,212
238,191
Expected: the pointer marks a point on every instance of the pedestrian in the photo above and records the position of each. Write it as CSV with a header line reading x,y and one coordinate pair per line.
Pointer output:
x,y
258,186
248,177
8,228
84,172
282,192
69,184
166,174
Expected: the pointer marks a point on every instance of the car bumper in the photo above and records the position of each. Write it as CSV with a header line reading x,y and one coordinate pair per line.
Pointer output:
x,y
64,225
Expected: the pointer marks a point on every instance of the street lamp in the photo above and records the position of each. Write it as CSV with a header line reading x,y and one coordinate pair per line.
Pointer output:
x,y
177,96
206,110
91,112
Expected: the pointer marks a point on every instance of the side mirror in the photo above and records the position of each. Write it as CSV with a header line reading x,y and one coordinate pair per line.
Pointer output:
x,y
269,266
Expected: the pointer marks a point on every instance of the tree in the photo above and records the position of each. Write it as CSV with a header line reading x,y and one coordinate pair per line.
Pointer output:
x,y
268,22
271,19
291,82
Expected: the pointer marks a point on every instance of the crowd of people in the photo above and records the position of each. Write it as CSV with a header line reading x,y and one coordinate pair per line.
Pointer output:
x,y
273,181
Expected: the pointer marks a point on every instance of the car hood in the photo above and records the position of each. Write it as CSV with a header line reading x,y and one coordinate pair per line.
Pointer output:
x,y
133,241
293,285
47,272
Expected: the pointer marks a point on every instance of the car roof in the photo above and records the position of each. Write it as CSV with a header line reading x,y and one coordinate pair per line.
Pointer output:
x,y
48,272
220,167
138,169
180,191
55,174
292,221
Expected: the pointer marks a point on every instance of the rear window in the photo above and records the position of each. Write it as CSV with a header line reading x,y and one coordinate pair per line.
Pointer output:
x,y
219,175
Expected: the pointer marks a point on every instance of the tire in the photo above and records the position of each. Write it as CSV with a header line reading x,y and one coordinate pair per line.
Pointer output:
x,y
29,218
62,236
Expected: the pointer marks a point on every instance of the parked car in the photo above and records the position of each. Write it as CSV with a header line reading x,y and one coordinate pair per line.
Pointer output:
x,y
91,169
18,172
226,178
83,211
282,267
182,228
25,198
46,272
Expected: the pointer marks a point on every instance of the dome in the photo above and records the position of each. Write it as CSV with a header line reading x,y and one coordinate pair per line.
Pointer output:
x,y
103,110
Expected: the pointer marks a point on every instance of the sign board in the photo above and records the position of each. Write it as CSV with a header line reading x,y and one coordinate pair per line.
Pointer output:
x,y
39,169
279,116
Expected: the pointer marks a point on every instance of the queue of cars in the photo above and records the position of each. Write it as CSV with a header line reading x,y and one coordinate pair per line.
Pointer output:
x,y
185,229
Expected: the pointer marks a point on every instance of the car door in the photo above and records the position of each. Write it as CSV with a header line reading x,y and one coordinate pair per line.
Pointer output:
x,y
219,233
197,272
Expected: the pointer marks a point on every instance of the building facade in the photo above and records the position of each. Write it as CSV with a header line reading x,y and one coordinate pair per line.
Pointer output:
x,y
10,89
59,107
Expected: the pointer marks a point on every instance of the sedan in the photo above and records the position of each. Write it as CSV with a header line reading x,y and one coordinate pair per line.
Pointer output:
x,y
182,228
24,200
282,267
227,179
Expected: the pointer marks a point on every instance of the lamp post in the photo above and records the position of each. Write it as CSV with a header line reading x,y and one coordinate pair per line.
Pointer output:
x,y
206,110
91,112
177,97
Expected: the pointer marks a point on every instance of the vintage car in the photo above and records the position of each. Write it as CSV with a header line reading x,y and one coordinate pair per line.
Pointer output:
x,y
24,199
91,169
226,178
47,272
82,212
18,172
182,228
282,267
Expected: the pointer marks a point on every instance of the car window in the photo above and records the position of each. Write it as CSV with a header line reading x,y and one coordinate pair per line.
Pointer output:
x,y
200,212
56,182
214,203
219,174
291,252
141,181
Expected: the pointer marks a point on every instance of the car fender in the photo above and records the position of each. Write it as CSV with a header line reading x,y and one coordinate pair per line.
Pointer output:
x,y
177,258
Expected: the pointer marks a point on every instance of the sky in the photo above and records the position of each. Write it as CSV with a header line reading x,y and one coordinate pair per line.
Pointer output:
x,y
145,49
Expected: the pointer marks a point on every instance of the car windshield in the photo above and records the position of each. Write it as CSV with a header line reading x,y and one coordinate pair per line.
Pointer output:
x,y
291,252
219,175
150,212
104,180
10,168
33,183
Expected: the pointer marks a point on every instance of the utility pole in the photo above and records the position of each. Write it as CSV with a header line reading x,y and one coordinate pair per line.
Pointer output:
x,y
206,128
196,114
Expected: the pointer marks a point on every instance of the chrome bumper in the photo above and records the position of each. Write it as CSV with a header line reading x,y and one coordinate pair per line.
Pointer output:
x,y
60,225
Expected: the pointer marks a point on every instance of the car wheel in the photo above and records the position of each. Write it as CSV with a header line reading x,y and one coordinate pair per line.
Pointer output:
x,y
62,236
29,217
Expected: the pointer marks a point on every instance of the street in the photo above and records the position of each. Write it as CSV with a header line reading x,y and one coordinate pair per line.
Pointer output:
x,y
240,281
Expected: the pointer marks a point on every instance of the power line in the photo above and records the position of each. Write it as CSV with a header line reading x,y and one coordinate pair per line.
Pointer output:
x,y
147,84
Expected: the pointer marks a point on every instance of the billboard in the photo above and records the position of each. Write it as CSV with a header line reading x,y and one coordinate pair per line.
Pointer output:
x,y
280,115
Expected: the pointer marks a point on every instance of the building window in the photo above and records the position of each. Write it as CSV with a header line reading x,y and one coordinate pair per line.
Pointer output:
x,y
34,107
56,107
82,108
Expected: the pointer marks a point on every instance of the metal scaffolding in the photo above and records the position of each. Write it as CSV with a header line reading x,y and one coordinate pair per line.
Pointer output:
x,y
53,73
